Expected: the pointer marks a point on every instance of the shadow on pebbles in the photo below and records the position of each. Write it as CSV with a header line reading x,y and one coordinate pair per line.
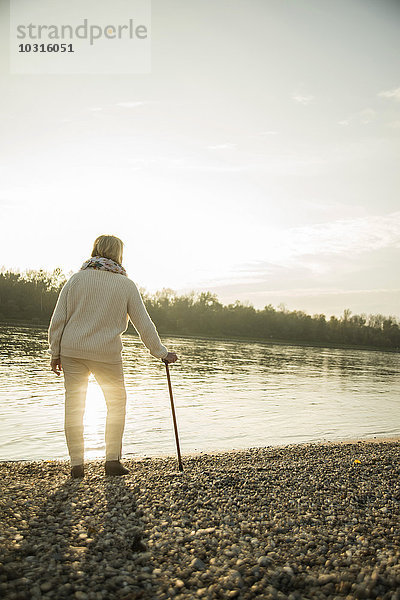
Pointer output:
x,y
295,522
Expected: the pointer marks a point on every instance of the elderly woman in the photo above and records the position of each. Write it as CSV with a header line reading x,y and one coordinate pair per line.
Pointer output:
x,y
85,337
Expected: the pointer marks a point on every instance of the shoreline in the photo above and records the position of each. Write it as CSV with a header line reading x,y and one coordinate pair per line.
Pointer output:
x,y
309,521
360,440
170,455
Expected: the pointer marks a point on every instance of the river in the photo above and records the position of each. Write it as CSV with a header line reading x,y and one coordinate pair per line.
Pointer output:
x,y
227,394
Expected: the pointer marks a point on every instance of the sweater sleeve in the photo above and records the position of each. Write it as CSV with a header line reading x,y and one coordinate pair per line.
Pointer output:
x,y
57,323
144,325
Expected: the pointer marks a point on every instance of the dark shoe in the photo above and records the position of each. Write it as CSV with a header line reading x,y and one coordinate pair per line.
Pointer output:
x,y
77,472
114,467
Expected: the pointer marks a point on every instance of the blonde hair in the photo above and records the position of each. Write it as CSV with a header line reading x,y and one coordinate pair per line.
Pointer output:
x,y
108,246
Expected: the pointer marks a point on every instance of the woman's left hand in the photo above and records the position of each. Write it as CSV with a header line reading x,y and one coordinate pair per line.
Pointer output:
x,y
56,365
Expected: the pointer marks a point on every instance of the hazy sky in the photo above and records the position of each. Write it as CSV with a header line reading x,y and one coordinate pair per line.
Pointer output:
x,y
259,159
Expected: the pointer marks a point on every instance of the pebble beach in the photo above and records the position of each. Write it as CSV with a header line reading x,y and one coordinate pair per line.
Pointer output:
x,y
297,522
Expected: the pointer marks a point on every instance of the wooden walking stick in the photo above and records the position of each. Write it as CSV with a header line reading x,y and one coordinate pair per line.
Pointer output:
x,y
173,416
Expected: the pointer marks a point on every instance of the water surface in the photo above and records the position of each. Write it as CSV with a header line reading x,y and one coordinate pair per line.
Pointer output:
x,y
228,395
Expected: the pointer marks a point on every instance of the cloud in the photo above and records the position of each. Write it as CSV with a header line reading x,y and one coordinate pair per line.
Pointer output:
x,y
346,235
227,146
304,99
366,115
395,94
108,107
318,291
321,255
131,104
363,117
276,164
317,247
271,132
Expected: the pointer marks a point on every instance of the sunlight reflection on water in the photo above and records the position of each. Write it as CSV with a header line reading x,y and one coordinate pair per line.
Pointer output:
x,y
227,395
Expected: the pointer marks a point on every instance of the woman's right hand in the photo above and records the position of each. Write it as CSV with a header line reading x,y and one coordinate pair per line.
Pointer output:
x,y
56,365
171,357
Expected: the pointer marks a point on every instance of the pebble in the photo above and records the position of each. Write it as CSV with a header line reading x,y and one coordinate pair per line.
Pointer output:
x,y
300,522
197,564
46,586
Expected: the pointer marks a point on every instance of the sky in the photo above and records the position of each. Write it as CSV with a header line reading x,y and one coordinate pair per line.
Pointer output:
x,y
259,159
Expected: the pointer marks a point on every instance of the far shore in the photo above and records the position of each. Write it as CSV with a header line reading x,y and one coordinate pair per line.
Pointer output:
x,y
264,341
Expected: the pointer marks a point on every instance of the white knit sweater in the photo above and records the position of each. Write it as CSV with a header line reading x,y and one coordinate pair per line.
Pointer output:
x,y
92,312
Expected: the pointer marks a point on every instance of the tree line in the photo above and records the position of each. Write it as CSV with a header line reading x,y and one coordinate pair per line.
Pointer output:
x,y
30,298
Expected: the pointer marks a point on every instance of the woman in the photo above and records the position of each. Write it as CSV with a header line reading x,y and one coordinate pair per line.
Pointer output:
x,y
85,337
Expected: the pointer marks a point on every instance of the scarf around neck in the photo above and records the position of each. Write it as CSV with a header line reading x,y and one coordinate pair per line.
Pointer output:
x,y
103,264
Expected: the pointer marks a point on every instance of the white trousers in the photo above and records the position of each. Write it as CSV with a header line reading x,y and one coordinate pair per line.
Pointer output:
x,y
110,377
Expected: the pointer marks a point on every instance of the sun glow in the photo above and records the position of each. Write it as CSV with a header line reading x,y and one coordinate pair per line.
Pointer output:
x,y
94,420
